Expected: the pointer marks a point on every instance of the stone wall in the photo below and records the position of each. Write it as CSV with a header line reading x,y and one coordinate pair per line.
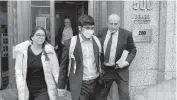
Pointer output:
x,y
170,52
155,60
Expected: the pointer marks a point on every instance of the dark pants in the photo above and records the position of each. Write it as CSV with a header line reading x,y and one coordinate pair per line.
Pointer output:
x,y
87,89
110,76
39,97
59,52
38,93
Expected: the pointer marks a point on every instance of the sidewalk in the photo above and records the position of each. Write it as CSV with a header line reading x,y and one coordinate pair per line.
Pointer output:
x,y
163,91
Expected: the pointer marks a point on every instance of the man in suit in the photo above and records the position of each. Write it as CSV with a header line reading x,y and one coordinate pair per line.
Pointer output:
x,y
63,34
114,41
83,76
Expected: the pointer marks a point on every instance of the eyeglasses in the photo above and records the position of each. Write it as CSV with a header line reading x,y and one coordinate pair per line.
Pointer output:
x,y
88,28
67,22
39,35
115,24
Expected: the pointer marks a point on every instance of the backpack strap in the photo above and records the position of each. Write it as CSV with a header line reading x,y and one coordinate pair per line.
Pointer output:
x,y
71,50
97,42
100,50
71,56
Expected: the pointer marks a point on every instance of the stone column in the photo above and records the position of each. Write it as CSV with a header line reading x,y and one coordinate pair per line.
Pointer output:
x,y
18,29
12,32
167,49
98,10
162,41
170,51
143,70
23,20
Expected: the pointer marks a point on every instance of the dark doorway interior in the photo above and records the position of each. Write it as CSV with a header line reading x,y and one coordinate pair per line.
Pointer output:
x,y
73,9
4,66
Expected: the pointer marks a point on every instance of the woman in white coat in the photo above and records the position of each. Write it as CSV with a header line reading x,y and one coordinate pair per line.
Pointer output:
x,y
36,68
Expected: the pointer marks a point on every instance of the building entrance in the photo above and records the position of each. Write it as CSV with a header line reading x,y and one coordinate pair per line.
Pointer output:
x,y
71,9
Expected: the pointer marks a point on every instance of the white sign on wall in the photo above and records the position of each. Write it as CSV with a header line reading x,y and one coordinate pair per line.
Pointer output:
x,y
41,21
142,30
142,35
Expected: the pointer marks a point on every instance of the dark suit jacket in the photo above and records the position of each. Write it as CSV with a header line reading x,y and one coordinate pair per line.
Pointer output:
x,y
58,42
75,80
59,36
125,42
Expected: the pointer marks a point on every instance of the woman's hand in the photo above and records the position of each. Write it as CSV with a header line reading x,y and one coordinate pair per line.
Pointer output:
x,y
61,92
56,47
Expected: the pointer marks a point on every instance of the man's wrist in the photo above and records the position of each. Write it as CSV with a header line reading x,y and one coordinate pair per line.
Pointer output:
x,y
61,89
127,63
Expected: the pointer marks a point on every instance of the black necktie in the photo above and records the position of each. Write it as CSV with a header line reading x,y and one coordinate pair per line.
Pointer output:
x,y
108,49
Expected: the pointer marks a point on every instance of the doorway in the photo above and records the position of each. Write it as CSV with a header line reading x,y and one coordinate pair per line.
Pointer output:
x,y
71,9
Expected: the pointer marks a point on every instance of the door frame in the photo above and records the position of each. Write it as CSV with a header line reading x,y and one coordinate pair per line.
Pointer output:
x,y
52,21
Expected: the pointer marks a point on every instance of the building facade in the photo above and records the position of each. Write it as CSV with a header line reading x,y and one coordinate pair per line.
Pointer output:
x,y
153,24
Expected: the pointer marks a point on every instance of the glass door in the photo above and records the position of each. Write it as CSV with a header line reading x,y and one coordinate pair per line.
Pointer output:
x,y
42,14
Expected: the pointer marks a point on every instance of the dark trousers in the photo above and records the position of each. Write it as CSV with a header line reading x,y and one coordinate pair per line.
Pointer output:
x,y
59,52
87,89
110,76
39,97
38,93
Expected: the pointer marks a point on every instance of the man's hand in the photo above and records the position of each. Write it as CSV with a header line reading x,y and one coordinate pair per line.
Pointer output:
x,y
62,42
61,92
121,64
56,47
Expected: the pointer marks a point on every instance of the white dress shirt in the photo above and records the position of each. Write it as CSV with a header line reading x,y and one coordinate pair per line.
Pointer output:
x,y
113,47
90,70
67,33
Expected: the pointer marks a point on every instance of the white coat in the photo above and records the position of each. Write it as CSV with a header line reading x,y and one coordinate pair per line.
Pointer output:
x,y
51,70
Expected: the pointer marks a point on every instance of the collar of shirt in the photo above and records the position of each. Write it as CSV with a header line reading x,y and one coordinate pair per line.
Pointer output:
x,y
116,33
82,40
67,27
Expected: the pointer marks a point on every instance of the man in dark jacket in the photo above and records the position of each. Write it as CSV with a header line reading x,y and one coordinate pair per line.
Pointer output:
x,y
64,33
85,66
114,41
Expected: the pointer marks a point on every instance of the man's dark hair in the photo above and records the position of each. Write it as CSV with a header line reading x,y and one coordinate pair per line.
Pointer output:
x,y
85,20
67,17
